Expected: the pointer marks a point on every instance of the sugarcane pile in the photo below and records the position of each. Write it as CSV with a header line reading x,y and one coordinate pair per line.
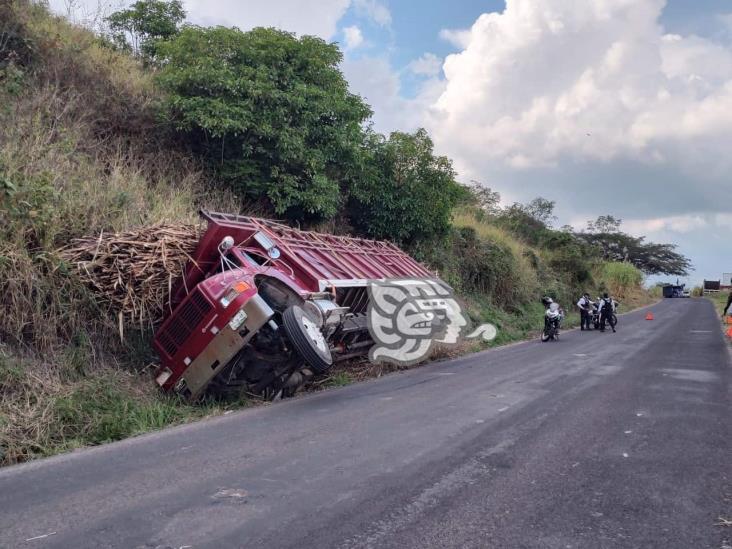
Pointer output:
x,y
133,271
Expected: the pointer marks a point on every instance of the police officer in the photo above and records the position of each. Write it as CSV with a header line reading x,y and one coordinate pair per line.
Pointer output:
x,y
606,311
585,306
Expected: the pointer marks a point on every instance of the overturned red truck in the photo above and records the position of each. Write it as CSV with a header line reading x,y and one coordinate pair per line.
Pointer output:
x,y
262,307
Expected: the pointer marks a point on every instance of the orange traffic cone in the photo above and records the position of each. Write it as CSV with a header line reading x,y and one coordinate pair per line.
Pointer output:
x,y
728,319
729,332
649,316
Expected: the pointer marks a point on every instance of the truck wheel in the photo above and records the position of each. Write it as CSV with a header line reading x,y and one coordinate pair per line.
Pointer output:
x,y
307,338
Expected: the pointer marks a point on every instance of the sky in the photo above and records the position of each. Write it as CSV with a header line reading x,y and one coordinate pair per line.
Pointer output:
x,y
619,107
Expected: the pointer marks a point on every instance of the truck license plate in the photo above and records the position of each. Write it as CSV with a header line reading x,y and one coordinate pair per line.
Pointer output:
x,y
238,320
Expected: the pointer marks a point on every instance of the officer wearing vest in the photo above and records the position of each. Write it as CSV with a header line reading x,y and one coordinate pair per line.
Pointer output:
x,y
606,311
585,306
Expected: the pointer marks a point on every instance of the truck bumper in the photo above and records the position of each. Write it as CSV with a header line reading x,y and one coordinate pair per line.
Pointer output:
x,y
223,348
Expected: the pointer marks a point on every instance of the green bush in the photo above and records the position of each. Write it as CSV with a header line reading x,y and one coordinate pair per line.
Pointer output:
x,y
405,193
270,112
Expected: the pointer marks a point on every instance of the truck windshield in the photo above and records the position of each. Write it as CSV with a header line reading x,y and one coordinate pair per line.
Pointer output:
x,y
226,263
254,258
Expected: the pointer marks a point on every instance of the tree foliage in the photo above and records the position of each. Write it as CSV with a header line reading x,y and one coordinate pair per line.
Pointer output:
x,y
605,235
406,193
531,222
145,23
604,224
271,112
484,198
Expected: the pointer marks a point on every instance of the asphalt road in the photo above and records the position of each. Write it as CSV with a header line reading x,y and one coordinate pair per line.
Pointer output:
x,y
598,440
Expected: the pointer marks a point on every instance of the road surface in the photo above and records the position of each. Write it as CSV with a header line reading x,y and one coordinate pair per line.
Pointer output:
x,y
598,440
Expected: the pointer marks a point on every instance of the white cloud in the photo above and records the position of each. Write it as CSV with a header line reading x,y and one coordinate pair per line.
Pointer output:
x,y
545,80
374,10
460,38
679,224
353,37
379,84
426,65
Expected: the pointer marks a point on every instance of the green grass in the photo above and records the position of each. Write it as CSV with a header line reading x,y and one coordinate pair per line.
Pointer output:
x,y
719,299
47,412
339,379
621,277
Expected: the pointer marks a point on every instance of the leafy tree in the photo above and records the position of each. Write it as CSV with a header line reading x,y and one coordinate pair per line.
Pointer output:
x,y
530,222
408,193
272,114
485,198
649,257
145,23
604,224
541,210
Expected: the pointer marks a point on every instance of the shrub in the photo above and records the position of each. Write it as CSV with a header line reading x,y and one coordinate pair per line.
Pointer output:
x,y
270,112
406,194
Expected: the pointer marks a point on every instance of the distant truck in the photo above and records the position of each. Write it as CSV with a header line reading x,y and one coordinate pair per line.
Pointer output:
x,y
675,290
262,307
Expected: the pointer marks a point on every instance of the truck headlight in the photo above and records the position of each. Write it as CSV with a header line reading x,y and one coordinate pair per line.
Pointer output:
x,y
233,292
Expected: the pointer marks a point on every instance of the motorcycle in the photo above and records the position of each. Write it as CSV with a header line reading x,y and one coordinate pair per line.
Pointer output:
x,y
552,322
595,316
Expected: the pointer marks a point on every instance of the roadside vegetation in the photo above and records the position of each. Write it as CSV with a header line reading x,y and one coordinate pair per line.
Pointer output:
x,y
151,120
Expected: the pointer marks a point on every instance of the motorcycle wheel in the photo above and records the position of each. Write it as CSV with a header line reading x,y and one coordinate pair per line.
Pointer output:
x,y
613,320
545,337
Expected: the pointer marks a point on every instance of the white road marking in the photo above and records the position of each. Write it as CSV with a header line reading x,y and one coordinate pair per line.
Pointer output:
x,y
625,455
639,414
231,493
580,354
503,409
41,536
479,421
628,432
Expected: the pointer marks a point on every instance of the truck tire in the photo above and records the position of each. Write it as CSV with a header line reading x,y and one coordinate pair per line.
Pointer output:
x,y
306,338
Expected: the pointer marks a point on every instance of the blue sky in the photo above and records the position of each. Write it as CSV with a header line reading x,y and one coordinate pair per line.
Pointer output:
x,y
621,107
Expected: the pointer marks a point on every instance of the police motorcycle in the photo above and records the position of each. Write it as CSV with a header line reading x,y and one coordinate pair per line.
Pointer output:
x,y
553,317
595,314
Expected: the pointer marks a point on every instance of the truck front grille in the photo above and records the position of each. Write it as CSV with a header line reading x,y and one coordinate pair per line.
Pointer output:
x,y
185,319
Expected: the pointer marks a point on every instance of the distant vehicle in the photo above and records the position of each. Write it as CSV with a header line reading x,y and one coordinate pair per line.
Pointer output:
x,y
673,290
686,293
262,307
